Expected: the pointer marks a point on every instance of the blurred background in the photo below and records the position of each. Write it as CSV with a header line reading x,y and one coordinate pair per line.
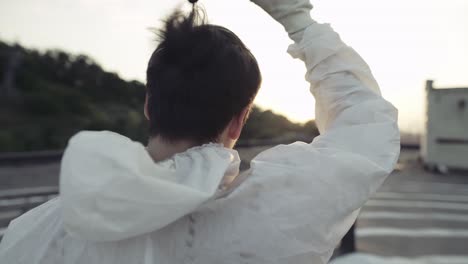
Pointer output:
x,y
67,66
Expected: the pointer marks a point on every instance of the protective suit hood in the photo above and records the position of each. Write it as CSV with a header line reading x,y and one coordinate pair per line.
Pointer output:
x,y
111,189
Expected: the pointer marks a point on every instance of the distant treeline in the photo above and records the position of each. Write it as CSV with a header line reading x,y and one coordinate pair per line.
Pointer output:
x,y
46,97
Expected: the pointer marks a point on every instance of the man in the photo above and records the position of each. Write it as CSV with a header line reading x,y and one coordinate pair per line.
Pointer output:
x,y
175,201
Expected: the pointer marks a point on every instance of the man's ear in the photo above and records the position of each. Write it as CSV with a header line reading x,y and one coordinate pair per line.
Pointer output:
x,y
145,110
237,123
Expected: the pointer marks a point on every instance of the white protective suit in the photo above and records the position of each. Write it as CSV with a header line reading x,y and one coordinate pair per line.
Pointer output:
x,y
116,206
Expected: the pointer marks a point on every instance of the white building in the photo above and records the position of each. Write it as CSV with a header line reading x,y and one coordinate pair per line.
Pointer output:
x,y
444,143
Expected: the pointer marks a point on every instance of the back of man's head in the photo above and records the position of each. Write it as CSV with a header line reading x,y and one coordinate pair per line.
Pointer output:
x,y
199,77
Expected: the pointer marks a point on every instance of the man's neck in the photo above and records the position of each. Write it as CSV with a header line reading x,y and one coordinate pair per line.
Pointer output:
x,y
160,149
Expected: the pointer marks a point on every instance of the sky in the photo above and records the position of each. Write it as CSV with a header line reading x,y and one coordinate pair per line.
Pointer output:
x,y
404,42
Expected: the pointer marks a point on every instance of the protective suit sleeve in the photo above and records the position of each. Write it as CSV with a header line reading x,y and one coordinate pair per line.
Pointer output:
x,y
293,15
314,191
351,114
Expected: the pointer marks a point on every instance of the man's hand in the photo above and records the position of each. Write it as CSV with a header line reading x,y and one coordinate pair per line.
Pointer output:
x,y
294,15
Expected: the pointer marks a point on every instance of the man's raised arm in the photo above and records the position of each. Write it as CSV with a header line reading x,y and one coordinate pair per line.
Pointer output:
x,y
327,181
350,111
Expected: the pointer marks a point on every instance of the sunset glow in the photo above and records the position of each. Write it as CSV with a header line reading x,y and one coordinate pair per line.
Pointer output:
x,y
404,42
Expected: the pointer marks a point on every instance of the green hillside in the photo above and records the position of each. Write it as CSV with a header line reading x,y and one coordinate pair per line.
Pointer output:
x,y
46,97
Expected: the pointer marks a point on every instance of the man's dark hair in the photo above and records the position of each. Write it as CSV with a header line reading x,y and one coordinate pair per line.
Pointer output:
x,y
199,77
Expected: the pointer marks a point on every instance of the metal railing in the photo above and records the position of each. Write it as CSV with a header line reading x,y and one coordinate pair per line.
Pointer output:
x,y
12,158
